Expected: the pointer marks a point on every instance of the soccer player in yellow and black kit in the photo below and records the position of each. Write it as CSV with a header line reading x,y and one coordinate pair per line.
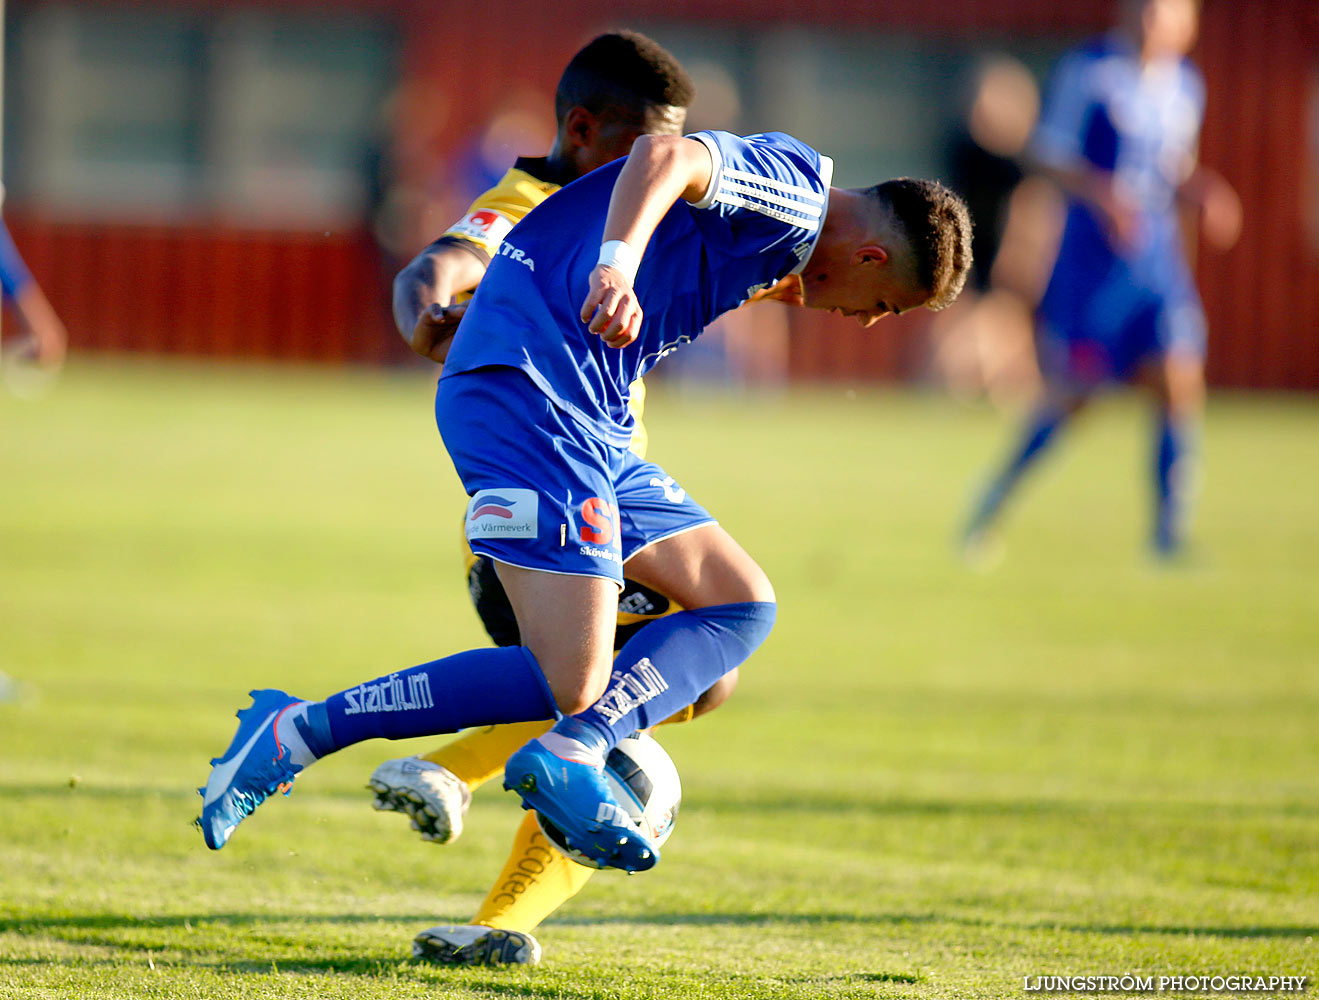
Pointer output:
x,y
620,86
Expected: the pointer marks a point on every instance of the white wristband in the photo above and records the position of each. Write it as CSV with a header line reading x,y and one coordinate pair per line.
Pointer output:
x,y
619,254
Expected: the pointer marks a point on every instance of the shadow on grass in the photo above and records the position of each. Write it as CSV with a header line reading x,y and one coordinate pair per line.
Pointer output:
x,y
89,924
804,801
111,921
718,919
808,801
128,793
510,982
1184,930
173,947
90,790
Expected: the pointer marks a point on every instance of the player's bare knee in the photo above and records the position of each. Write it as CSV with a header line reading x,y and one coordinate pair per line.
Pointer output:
x,y
572,699
716,694
576,689
759,589
734,584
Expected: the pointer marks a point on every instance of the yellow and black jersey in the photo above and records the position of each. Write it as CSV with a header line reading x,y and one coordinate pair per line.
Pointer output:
x,y
489,219
493,214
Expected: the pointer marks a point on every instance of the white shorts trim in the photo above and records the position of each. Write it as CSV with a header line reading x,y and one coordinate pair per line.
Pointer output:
x,y
672,534
540,569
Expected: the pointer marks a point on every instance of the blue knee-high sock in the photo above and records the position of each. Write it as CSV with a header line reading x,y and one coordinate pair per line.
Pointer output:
x,y
667,666
1172,458
1038,434
480,687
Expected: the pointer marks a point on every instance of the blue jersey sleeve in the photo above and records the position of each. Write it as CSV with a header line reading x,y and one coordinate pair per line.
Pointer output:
x,y
1068,98
14,276
770,190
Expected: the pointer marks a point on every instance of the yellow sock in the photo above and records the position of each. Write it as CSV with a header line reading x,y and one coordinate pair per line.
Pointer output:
x,y
681,715
537,879
479,754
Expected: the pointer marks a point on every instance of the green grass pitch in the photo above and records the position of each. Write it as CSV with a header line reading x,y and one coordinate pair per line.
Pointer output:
x,y
931,783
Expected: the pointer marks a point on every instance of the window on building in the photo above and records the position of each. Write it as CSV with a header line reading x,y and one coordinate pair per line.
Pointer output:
x,y
147,113
882,105
105,113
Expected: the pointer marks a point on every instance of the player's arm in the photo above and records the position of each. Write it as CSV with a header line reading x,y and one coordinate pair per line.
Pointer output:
x,y
49,338
45,334
1217,204
1094,186
1056,152
660,170
424,290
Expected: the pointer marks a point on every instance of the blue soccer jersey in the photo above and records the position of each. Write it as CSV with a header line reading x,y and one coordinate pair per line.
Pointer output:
x,y
757,223
1107,110
1109,306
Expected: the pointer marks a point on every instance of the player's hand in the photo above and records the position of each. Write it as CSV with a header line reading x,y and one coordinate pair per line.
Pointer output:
x,y
1220,213
1120,217
433,334
44,352
611,308
787,290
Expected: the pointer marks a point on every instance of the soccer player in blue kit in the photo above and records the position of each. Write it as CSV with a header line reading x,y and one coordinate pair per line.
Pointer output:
x,y
1118,134
596,284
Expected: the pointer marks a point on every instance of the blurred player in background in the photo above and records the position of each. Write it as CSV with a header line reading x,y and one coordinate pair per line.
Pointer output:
x,y
43,337
1119,136
620,86
983,346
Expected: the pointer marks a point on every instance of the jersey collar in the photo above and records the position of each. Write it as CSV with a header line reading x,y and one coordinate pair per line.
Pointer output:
x,y
826,177
539,168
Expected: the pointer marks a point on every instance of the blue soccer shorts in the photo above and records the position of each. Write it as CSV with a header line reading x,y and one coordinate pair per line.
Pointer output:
x,y
547,494
1103,316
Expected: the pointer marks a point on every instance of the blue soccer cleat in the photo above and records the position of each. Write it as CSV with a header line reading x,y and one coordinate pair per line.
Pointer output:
x,y
254,767
573,796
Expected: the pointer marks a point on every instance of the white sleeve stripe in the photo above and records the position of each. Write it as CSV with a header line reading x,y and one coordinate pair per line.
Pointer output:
x,y
806,225
773,199
733,198
770,182
716,169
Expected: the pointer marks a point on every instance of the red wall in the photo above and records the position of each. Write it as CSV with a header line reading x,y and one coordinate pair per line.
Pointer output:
x,y
208,290
1263,297
201,289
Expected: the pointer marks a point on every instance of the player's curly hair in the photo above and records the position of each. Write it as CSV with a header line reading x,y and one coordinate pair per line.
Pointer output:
x,y
937,226
622,69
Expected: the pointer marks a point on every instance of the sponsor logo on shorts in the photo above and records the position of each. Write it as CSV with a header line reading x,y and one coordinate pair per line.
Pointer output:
x,y
597,553
599,517
673,493
503,513
484,226
639,602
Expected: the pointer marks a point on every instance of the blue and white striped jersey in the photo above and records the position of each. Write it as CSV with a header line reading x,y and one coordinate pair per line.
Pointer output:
x,y
757,223
1142,123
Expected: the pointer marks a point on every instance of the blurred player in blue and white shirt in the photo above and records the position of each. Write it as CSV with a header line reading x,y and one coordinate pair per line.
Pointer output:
x,y
593,287
1119,134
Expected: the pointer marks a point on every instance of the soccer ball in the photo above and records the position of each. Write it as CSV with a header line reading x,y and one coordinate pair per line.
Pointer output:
x,y
645,782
